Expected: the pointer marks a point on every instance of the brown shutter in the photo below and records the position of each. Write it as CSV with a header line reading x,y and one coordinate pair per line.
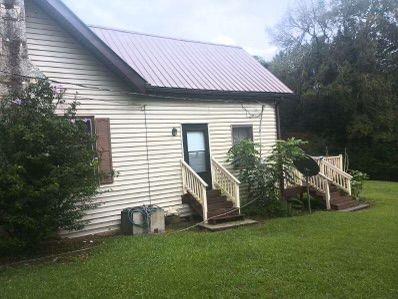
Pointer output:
x,y
103,132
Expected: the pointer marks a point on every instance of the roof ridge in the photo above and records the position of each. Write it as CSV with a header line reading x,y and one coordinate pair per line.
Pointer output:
x,y
160,36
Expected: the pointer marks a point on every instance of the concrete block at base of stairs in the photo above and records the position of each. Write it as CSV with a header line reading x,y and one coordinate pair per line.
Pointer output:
x,y
226,225
355,208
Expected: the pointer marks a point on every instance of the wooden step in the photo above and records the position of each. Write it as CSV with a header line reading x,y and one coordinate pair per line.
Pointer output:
x,y
213,193
218,207
217,199
220,204
224,219
343,204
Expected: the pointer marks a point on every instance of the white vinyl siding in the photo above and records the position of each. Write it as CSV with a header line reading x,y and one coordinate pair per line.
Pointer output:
x,y
60,57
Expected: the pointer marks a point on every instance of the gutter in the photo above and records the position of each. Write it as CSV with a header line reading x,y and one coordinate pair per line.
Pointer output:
x,y
218,94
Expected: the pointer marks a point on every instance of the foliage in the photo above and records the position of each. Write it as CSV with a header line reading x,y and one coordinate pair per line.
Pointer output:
x,y
341,59
47,167
280,161
357,181
325,255
245,157
263,176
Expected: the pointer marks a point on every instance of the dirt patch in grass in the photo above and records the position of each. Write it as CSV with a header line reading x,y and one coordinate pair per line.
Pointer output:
x,y
56,251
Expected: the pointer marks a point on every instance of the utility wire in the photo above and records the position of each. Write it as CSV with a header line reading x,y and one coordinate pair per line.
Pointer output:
x,y
92,87
147,154
260,130
222,214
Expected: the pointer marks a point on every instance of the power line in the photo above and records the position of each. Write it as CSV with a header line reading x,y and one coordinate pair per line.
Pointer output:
x,y
219,215
147,154
92,87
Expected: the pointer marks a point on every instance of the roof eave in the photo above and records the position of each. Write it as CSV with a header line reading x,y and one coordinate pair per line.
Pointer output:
x,y
219,94
82,32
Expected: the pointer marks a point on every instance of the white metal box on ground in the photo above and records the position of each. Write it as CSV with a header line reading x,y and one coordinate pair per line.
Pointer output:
x,y
142,220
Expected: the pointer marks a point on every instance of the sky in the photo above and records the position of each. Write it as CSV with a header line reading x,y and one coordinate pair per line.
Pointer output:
x,y
234,22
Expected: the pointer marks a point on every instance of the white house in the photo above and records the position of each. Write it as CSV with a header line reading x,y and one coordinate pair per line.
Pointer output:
x,y
166,110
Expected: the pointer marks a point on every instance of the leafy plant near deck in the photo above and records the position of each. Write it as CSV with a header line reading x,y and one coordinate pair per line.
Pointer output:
x,y
357,181
265,177
47,167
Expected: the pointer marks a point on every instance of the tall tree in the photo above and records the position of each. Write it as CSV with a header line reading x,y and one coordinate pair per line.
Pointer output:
x,y
341,58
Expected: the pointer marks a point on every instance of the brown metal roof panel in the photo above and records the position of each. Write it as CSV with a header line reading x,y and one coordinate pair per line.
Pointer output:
x,y
174,63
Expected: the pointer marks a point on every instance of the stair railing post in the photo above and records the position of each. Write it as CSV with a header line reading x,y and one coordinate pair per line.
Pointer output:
x,y
237,196
349,186
327,195
341,161
204,192
213,174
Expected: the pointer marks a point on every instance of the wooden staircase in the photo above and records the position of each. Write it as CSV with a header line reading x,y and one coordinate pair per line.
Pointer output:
x,y
219,208
332,184
339,200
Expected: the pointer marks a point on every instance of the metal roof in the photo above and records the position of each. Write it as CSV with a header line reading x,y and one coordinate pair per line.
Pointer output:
x,y
165,62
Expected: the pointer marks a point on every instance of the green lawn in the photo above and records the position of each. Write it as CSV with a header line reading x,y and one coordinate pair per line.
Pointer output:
x,y
327,254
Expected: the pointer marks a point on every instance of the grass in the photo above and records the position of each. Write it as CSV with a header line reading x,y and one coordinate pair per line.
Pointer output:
x,y
326,254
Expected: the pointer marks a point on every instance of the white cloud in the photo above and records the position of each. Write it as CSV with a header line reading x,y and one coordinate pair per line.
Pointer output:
x,y
232,22
226,40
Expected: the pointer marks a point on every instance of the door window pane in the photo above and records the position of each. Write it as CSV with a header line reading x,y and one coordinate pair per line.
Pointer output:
x,y
197,160
196,141
196,150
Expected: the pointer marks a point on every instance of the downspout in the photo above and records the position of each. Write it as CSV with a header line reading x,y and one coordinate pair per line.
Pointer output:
x,y
279,137
278,120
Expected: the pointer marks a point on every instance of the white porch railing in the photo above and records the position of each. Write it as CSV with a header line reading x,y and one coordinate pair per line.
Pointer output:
x,y
334,160
226,182
195,185
320,182
339,177
331,171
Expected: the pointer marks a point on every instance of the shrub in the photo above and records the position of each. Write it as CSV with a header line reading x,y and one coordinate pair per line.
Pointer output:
x,y
264,176
48,168
358,178
245,157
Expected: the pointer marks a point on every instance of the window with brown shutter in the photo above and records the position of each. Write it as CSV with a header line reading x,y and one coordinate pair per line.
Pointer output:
x,y
103,132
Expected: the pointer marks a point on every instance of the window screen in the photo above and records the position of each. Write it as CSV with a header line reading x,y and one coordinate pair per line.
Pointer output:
x,y
241,132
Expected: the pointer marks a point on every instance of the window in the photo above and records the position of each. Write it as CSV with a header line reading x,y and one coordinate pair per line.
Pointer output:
x,y
89,125
196,150
241,132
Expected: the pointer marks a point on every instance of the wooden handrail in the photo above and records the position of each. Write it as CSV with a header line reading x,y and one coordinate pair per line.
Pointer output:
x,y
338,176
336,161
325,177
194,173
338,170
329,173
195,185
226,181
319,182
226,171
